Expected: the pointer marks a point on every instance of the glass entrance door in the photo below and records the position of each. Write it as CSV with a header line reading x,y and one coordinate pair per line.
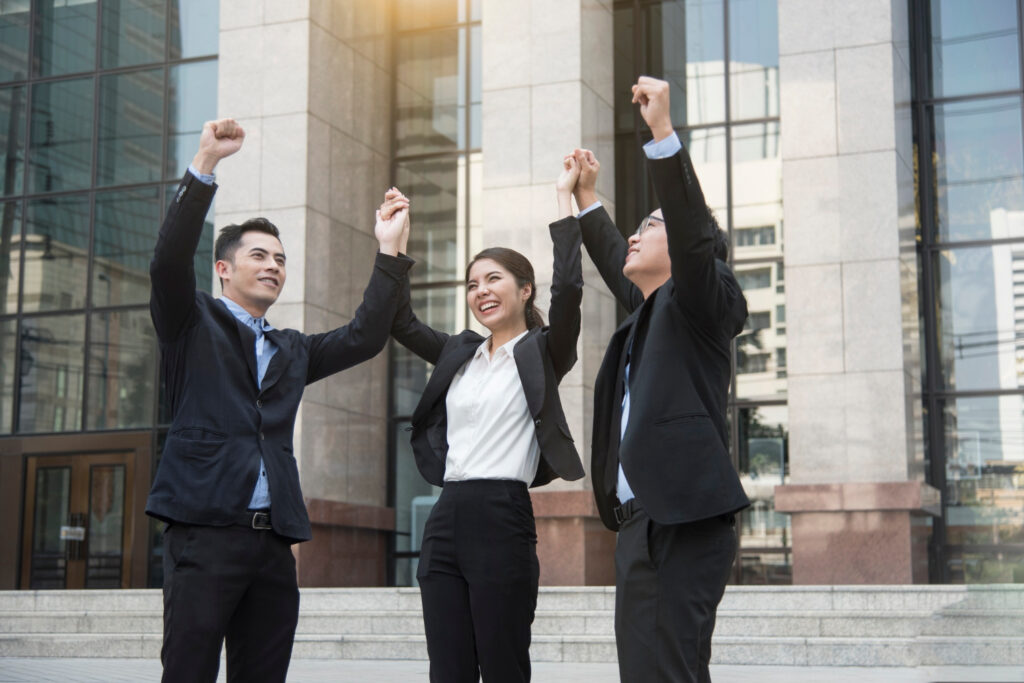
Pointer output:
x,y
75,534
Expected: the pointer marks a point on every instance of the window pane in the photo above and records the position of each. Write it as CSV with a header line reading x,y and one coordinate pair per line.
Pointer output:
x,y
133,32
122,369
761,346
52,351
14,22
203,262
444,310
430,92
192,90
981,317
127,222
10,256
436,186
8,349
131,124
413,14
12,147
707,151
65,37
56,253
753,58
414,499
195,28
974,46
984,477
979,169
60,154
756,191
475,87
765,535
692,58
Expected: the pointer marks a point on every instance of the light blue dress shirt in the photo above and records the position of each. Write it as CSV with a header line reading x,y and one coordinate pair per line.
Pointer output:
x,y
265,350
653,150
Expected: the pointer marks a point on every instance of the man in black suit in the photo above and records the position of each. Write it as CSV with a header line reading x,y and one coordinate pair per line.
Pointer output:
x,y
227,484
661,470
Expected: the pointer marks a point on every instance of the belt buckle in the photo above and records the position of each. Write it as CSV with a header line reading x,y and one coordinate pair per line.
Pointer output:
x,y
261,521
620,514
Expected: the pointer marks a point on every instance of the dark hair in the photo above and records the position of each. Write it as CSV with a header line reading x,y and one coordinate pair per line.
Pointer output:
x,y
231,236
522,271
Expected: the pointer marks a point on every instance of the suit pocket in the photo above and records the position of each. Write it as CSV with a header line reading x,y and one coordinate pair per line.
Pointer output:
x,y
564,428
681,417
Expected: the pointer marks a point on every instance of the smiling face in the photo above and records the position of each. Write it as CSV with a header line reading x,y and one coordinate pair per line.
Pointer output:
x,y
647,261
253,276
494,296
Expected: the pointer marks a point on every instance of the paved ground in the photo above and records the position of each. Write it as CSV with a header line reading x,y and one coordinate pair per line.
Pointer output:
x,y
65,670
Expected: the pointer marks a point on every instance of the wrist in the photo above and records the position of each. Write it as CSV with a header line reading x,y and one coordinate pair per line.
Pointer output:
x,y
388,247
204,163
662,131
585,198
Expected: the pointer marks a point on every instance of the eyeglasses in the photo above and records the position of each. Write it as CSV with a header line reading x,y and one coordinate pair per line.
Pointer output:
x,y
646,223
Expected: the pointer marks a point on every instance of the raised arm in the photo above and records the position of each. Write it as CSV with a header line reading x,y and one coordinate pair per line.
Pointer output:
x,y
367,333
700,285
603,241
567,274
407,329
172,271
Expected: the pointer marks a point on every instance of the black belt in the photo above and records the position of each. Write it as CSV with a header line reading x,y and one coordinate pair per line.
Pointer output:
x,y
255,519
625,512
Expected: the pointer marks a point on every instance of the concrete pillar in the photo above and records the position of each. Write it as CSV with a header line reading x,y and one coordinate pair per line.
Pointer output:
x,y
858,500
547,88
311,83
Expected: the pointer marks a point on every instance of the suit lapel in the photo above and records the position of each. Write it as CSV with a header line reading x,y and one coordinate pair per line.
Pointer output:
x,y
458,350
246,341
530,365
278,361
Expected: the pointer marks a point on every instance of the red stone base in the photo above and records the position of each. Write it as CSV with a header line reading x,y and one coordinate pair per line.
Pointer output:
x,y
859,533
349,546
573,546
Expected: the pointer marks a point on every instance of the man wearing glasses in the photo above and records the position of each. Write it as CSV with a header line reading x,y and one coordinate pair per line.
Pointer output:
x,y
661,470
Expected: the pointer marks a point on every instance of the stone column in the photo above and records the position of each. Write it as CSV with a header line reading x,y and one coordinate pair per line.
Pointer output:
x,y
858,500
547,88
311,83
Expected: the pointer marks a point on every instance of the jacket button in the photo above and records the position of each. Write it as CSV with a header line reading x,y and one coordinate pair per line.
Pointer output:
x,y
259,403
537,422
262,436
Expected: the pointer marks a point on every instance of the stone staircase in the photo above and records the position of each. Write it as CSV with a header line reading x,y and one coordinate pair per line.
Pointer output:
x,y
778,625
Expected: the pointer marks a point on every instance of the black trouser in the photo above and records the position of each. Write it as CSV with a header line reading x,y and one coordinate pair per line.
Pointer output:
x,y
669,580
478,577
227,582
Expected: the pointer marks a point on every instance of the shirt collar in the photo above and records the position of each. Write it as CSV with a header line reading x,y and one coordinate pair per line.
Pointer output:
x,y
244,316
505,348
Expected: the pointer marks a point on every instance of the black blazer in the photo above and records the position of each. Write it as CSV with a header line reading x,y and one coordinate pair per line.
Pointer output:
x,y
543,357
221,422
674,451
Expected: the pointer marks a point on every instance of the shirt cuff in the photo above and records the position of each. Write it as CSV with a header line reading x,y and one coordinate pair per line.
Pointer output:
x,y
205,178
663,148
595,205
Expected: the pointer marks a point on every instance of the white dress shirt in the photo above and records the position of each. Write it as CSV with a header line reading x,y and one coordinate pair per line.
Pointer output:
x,y
490,430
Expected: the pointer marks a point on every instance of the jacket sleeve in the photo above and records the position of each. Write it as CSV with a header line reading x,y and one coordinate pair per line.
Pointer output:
x,y
412,333
607,249
702,287
172,301
366,334
566,295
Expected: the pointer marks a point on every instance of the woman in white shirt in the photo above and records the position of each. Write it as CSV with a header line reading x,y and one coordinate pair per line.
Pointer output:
x,y
488,425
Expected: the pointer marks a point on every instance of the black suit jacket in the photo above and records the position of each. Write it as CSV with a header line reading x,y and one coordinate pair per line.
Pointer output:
x,y
674,451
222,423
543,357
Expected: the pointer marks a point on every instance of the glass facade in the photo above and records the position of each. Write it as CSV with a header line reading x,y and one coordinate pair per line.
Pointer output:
x,y
968,127
721,58
438,163
101,106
